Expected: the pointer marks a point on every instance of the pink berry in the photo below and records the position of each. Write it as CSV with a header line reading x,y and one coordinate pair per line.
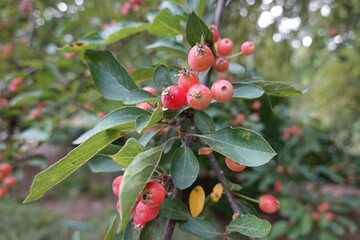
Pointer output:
x,y
153,194
234,166
151,90
222,90
9,181
256,105
173,97
248,48
146,213
5,169
277,186
199,96
100,115
3,191
268,204
144,105
221,64
200,58
35,114
215,31
225,47
187,79
138,222
116,185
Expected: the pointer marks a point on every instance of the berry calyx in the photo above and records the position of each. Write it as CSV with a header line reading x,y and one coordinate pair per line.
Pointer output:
x,y
248,48
199,96
200,58
225,47
153,194
187,79
234,166
145,212
222,90
151,90
268,204
9,181
221,64
5,169
173,97
215,31
116,185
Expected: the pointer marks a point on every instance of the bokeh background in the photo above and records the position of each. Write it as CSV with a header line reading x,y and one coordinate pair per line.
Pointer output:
x,y
47,99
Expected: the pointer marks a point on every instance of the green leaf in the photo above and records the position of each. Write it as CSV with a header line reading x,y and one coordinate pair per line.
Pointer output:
x,y
110,228
166,24
151,231
34,133
246,208
204,122
135,178
184,167
111,35
128,152
306,223
237,236
246,91
162,76
167,45
139,95
236,68
110,78
279,89
130,233
279,228
170,114
174,208
142,74
101,163
325,235
48,178
24,97
199,228
146,137
242,145
232,186
143,122
123,119
195,28
348,223
250,225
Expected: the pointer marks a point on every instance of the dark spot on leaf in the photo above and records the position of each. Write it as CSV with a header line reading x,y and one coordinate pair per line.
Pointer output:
x,y
79,44
71,44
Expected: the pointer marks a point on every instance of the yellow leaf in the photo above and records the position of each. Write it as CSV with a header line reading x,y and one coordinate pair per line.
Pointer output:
x,y
216,193
196,201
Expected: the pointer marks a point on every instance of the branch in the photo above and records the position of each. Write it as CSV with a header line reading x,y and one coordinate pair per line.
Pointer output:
x,y
218,11
170,223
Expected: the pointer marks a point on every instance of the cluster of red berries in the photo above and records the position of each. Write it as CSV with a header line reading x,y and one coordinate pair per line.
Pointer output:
x,y
131,5
148,202
293,131
6,181
322,209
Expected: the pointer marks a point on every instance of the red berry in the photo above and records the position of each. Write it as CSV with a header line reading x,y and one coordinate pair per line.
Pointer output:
x,y
138,222
173,97
199,96
215,31
316,216
256,105
234,166
225,47
3,192
277,186
268,204
144,105
151,90
145,212
118,206
116,185
222,90
329,216
248,48
100,115
5,169
323,206
153,194
187,79
9,181
41,105
200,58
35,114
221,64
